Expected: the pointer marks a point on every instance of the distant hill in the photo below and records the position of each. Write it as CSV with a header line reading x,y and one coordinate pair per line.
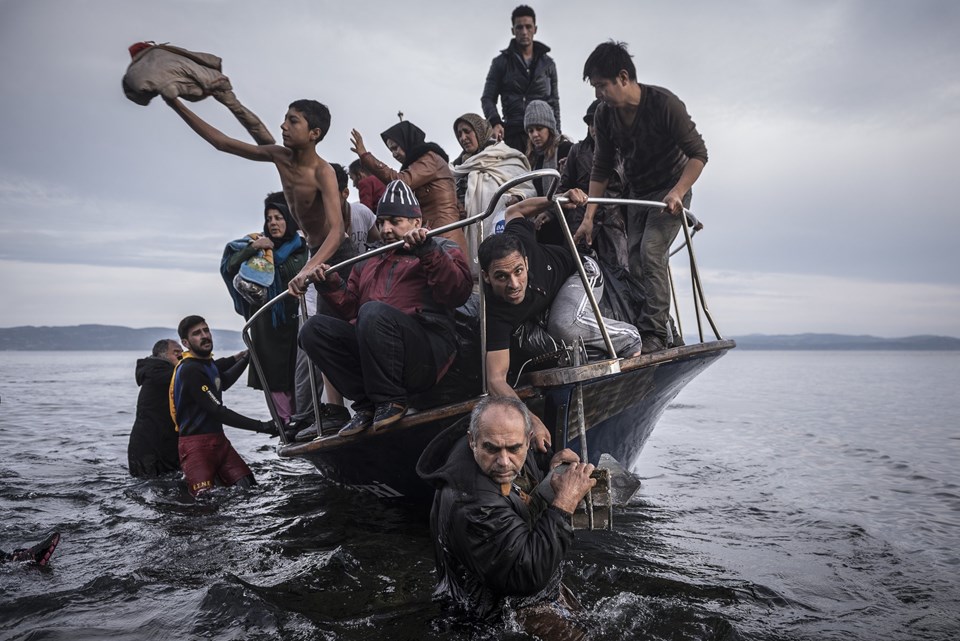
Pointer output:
x,y
101,338
116,338
845,342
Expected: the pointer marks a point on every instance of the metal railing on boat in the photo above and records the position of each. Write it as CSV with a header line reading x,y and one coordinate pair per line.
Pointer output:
x,y
689,222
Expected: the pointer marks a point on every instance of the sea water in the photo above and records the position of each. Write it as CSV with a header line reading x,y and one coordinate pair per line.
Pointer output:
x,y
786,496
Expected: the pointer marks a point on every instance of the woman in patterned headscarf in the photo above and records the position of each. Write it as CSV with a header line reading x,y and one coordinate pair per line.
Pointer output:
x,y
274,334
481,169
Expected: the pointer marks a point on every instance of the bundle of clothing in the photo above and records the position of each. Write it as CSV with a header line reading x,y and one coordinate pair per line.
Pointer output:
x,y
174,72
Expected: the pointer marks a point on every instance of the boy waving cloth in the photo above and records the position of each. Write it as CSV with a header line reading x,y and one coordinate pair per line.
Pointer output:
x,y
174,72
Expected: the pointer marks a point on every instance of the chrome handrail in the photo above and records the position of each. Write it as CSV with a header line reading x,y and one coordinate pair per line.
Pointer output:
x,y
689,222
491,207
690,225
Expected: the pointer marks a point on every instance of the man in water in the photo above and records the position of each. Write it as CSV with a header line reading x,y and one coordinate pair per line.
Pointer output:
x,y
39,553
663,155
307,179
152,450
521,73
196,394
498,541
524,280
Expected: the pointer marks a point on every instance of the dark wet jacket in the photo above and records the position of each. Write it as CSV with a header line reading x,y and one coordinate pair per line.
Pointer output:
x,y
516,85
152,450
491,550
197,395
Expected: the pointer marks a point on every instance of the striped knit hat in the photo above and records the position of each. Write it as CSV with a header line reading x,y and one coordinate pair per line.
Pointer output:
x,y
398,200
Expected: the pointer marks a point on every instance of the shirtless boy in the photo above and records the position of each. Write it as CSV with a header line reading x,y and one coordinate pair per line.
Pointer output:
x,y
308,181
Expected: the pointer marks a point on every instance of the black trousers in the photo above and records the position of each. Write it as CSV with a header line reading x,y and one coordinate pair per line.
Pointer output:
x,y
384,357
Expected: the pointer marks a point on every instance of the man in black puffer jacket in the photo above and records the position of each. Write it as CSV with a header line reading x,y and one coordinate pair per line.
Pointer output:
x,y
521,73
499,543
152,450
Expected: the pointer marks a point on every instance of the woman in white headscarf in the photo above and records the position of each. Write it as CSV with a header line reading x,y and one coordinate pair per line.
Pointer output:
x,y
481,169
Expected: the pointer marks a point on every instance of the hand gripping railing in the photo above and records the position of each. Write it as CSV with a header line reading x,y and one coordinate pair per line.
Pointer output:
x,y
689,221
491,207
690,226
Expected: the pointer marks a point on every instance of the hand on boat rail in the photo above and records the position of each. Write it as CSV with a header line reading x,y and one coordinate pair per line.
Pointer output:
x,y
692,220
491,207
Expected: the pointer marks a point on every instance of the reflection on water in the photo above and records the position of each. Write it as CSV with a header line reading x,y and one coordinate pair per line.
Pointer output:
x,y
786,496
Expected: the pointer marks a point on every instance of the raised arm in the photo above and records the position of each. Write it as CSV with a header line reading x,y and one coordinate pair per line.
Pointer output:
x,y
447,271
221,141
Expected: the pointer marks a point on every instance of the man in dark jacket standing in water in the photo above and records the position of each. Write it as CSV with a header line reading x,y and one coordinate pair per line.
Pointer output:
x,y
152,450
498,541
521,73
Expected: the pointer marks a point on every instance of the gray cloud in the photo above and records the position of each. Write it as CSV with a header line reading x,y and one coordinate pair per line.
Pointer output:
x,y
831,125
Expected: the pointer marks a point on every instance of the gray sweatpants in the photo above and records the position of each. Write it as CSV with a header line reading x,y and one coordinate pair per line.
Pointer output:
x,y
571,317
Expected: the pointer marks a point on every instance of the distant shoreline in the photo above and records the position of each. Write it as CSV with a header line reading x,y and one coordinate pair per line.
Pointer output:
x,y
118,338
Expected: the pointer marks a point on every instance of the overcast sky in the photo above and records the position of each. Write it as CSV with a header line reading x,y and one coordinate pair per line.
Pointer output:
x,y
830,199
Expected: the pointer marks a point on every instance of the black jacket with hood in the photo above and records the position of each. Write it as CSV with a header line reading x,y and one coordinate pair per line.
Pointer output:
x,y
152,449
490,547
516,85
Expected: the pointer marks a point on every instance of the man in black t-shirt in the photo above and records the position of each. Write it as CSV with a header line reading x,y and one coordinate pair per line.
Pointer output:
x,y
523,280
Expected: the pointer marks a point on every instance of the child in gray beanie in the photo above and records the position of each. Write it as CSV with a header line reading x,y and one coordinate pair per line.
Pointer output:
x,y
545,150
540,114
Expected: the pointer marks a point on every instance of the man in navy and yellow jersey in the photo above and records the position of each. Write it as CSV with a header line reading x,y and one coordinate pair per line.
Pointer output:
x,y
206,456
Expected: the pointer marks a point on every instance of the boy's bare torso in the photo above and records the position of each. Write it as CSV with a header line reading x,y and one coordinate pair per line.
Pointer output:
x,y
301,186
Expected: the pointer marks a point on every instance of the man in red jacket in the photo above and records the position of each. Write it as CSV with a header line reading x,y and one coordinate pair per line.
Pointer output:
x,y
395,333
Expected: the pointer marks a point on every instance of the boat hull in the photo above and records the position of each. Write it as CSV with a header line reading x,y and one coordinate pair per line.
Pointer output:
x,y
621,410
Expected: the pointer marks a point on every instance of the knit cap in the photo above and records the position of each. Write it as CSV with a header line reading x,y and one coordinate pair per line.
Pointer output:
x,y
539,114
479,125
398,200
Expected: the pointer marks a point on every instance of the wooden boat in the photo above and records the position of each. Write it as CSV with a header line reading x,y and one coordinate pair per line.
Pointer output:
x,y
604,407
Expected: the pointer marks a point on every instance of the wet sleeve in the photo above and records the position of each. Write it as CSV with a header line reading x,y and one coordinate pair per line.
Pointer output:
x,y
197,386
554,94
378,168
342,296
513,558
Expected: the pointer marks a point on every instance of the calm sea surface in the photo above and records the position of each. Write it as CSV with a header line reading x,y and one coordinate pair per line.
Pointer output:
x,y
787,496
